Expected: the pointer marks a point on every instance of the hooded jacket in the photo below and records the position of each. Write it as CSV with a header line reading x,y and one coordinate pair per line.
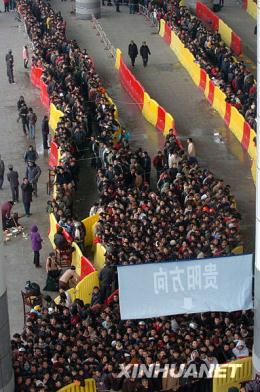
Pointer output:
x,y
35,239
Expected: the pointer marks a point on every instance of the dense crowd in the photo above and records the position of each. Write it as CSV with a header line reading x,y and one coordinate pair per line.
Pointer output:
x,y
191,215
210,52
71,342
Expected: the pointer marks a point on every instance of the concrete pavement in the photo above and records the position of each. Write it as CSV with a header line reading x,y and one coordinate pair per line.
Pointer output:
x,y
167,81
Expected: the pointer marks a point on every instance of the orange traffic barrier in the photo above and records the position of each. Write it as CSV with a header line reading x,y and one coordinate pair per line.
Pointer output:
x,y
230,38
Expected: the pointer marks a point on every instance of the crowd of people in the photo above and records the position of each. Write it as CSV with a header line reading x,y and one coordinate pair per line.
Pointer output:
x,y
210,52
191,215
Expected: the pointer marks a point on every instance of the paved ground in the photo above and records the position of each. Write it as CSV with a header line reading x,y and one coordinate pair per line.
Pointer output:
x,y
167,81
16,255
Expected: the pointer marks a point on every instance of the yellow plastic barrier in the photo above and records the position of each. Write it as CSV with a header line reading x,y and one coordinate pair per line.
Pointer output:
x,y
110,100
55,116
243,373
99,257
53,229
76,258
162,28
118,58
219,102
150,109
177,46
252,8
253,170
236,123
90,386
89,223
85,287
252,146
169,123
225,32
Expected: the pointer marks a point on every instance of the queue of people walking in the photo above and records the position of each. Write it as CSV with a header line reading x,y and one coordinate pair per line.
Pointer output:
x,y
144,52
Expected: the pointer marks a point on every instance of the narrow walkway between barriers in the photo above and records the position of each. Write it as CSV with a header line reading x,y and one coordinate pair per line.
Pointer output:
x,y
167,82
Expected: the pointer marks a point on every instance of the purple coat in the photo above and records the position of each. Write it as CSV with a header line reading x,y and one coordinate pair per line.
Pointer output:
x,y
35,239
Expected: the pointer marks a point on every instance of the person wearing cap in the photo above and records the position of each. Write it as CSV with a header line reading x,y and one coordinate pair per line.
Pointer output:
x,y
13,178
9,58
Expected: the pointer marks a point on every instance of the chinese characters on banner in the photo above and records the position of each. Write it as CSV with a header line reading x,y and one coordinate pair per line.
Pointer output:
x,y
193,286
193,277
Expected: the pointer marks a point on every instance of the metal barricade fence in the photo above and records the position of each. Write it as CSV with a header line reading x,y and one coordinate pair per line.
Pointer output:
x,y
149,15
103,37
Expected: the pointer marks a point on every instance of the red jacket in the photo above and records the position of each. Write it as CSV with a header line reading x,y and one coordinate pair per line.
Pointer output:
x,y
6,209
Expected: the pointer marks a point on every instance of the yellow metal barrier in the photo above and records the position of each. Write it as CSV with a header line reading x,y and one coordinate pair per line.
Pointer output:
x,y
90,386
232,378
55,116
99,257
89,223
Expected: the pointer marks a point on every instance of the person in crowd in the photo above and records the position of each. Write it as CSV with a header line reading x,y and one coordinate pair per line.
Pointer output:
x,y
32,119
106,278
159,163
13,178
145,53
23,115
2,172
36,242
132,48
25,56
9,58
69,276
30,155
96,297
45,132
60,241
33,173
6,6
6,209
240,351
191,151
53,272
27,191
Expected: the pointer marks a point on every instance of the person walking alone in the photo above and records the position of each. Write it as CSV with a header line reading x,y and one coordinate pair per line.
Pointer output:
x,y
45,132
30,155
145,52
13,178
25,56
9,59
32,119
33,173
132,52
23,115
36,241
27,191
2,172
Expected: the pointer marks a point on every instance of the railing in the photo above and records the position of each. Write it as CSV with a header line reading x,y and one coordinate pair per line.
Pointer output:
x,y
90,386
103,37
149,15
